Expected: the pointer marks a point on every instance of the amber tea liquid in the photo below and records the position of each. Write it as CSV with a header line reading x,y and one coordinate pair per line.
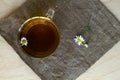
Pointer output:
x,y
41,35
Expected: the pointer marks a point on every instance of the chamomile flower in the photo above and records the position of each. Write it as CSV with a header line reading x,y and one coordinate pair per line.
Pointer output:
x,y
80,41
24,41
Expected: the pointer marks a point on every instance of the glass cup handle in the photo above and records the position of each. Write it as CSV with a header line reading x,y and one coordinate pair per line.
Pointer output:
x,y
50,13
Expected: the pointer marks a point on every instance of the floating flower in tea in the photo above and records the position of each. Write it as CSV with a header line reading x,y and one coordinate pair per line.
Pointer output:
x,y
24,41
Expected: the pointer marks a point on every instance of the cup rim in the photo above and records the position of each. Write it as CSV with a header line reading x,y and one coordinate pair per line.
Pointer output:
x,y
36,17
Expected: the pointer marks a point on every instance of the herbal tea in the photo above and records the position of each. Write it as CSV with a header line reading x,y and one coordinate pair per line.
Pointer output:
x,y
39,37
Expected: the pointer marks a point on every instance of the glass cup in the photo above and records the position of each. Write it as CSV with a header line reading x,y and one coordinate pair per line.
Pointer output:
x,y
39,36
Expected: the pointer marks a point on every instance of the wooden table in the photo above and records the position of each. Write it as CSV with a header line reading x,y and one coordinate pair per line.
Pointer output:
x,y
71,17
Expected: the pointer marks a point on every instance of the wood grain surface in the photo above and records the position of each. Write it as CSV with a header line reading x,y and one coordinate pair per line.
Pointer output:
x,y
71,17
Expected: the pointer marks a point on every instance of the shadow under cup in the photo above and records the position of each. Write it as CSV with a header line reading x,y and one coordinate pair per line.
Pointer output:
x,y
39,37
